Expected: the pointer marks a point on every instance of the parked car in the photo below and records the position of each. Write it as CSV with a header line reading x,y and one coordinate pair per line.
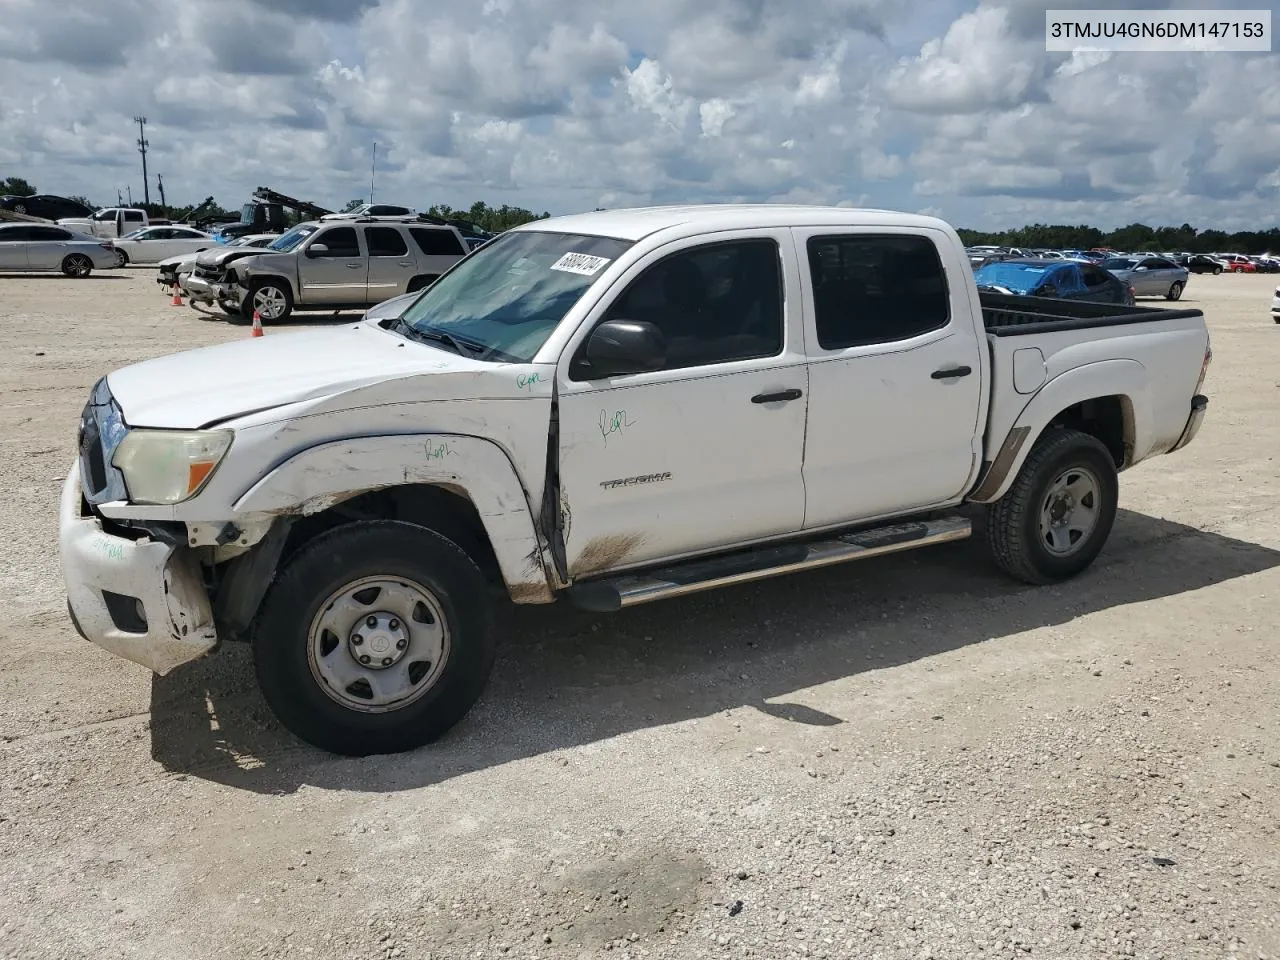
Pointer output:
x,y
158,243
1149,276
45,205
1204,263
175,269
572,412
371,210
334,265
1064,279
30,247
111,222
1266,264
1238,263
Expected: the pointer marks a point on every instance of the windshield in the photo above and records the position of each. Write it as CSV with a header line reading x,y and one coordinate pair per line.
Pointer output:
x,y
287,241
1118,263
507,297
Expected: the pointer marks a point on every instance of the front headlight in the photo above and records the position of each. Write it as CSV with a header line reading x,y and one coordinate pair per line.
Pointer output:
x,y
169,466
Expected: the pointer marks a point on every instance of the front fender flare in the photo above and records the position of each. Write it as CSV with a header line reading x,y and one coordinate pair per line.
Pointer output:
x,y
1128,379
318,478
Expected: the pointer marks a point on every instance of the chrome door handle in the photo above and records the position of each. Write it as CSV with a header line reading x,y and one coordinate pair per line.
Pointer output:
x,y
406,263
354,266
779,397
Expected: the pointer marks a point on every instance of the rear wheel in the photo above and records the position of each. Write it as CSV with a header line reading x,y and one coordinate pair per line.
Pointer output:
x,y
375,638
77,265
1057,516
1175,291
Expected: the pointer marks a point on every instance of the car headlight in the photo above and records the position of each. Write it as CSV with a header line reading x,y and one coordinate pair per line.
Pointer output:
x,y
169,466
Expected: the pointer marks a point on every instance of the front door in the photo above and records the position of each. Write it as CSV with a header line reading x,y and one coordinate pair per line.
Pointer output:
x,y
336,275
895,376
13,247
706,452
391,266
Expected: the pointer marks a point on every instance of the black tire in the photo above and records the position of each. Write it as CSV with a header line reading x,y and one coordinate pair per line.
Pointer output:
x,y
282,287
77,265
122,258
323,566
1013,521
1216,271
19,208
1175,291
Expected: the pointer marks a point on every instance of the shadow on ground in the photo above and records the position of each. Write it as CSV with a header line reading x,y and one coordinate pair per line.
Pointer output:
x,y
63,277
565,678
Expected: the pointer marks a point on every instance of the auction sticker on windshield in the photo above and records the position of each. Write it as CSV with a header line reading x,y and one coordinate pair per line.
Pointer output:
x,y
582,263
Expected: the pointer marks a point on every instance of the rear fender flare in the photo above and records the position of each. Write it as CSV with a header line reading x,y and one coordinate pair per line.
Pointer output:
x,y
317,478
1105,378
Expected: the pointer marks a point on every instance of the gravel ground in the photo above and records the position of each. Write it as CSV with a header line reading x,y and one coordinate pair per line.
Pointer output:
x,y
907,758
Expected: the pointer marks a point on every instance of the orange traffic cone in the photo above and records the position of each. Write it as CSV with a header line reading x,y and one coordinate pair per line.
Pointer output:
x,y
177,297
257,324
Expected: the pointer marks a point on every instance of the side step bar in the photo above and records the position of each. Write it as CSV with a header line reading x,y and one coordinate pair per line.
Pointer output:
x,y
607,596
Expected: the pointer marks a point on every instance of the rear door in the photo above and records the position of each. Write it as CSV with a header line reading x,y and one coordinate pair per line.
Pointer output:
x,y
439,248
895,384
47,247
336,275
391,265
1100,286
13,246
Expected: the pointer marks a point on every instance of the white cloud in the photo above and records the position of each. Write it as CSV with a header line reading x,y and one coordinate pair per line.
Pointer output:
x,y
573,104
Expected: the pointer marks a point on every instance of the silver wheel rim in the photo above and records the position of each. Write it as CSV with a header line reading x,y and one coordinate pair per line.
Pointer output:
x,y
121,259
1070,510
80,265
1176,292
378,644
269,302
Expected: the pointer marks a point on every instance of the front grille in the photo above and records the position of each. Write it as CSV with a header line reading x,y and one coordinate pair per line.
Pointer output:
x,y
213,274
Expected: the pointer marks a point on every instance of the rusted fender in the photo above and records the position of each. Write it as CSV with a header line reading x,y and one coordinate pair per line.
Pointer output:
x,y
316,479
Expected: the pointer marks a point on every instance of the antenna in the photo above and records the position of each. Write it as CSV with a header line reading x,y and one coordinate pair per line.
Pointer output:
x,y
373,173
142,149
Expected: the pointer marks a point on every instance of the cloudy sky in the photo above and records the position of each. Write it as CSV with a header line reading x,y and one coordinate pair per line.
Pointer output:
x,y
943,106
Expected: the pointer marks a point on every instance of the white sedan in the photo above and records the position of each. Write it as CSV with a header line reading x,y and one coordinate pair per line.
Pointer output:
x,y
153,244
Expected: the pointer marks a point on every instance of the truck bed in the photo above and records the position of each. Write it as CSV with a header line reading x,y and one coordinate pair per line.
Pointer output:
x,y
1005,315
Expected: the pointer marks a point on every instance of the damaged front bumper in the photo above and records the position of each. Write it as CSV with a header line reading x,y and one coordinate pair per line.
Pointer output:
x,y
143,600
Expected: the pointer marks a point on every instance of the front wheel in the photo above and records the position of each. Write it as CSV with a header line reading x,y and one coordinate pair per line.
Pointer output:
x,y
375,638
77,265
1054,520
1175,291
1216,271
272,299
122,258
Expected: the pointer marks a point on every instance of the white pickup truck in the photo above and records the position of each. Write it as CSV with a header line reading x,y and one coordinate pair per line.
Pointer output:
x,y
110,222
611,408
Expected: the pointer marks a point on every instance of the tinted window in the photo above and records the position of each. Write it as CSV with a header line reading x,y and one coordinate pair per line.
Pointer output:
x,y
1119,263
1095,277
713,304
876,289
15,233
1161,264
385,242
47,233
187,234
341,242
437,243
134,216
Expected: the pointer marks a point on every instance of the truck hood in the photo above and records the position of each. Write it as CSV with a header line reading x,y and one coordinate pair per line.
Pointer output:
x,y
222,255
198,388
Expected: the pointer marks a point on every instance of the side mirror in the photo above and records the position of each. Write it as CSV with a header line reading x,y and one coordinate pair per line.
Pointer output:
x,y
618,347
317,249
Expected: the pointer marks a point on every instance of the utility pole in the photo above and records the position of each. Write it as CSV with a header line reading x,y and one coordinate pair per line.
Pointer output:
x,y
119,199
128,187
142,149
160,184
373,171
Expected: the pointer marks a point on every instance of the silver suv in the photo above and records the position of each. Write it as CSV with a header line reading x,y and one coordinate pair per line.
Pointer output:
x,y
335,265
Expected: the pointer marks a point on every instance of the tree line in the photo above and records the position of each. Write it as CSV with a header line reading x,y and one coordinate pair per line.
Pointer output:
x,y
1132,238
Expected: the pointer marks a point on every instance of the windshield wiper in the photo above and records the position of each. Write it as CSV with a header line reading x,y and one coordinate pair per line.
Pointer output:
x,y
433,336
